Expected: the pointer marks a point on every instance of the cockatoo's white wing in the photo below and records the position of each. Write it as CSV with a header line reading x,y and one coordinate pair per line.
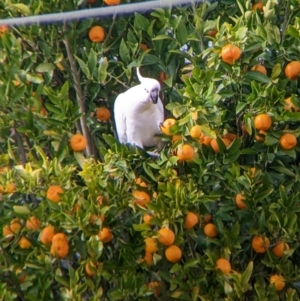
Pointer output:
x,y
120,117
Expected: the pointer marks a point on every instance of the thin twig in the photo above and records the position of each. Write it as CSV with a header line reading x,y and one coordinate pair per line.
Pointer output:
x,y
79,94
20,145
285,21
110,30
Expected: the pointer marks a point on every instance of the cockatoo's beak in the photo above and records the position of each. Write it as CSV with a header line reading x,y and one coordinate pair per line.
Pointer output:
x,y
154,95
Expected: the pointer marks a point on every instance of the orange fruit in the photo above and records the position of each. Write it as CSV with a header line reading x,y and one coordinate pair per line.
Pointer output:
x,y
210,230
230,136
191,220
205,140
47,235
261,136
33,223
94,218
59,247
259,68
78,143
90,268
185,152
105,235
148,258
215,146
150,245
140,182
292,70
278,281
155,286
239,200
141,198
103,114
289,105
147,218
288,141
173,253
196,131
24,243
144,47
230,53
13,228
212,33
177,138
10,188
166,236
279,249
97,34
59,237
112,2
54,193
21,276
207,218
223,265
257,5
162,76
262,122
3,29
165,128
260,244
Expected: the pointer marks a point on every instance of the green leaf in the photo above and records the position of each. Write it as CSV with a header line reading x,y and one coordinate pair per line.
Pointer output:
x,y
83,67
21,7
247,274
258,76
148,171
140,22
284,171
124,52
240,106
293,32
276,71
33,78
45,67
92,61
22,210
80,158
162,37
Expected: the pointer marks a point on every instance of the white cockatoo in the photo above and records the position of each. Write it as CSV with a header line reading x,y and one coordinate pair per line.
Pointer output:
x,y
139,114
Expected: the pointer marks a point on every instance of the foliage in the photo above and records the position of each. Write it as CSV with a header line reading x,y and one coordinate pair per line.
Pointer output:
x,y
52,80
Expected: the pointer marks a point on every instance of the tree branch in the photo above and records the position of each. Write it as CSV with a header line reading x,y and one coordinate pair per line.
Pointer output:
x,y
79,94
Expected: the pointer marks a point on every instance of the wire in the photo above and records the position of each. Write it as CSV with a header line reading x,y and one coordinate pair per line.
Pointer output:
x,y
95,12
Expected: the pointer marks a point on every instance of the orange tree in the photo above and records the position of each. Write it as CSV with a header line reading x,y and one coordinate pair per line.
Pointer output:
x,y
214,218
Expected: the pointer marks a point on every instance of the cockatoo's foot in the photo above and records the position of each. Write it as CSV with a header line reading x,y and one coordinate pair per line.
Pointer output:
x,y
159,124
154,154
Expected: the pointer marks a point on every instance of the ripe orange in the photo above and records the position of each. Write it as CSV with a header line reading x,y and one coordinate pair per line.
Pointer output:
x,y
105,235
177,138
289,105
78,143
21,275
196,131
173,253
278,281
3,29
144,47
155,286
166,236
140,182
185,152
54,193
103,114
230,136
288,141
230,53
165,128
223,265
59,247
212,33
260,244
95,219
205,140
292,70
24,243
259,68
90,268
33,223
257,5
13,228
279,249
10,188
97,34
112,2
47,235
59,237
162,76
260,136
150,245
239,200
147,218
141,198
210,230
215,146
191,220
148,258
262,122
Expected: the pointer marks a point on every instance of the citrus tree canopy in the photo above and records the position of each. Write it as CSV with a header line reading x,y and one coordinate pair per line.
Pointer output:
x,y
214,217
